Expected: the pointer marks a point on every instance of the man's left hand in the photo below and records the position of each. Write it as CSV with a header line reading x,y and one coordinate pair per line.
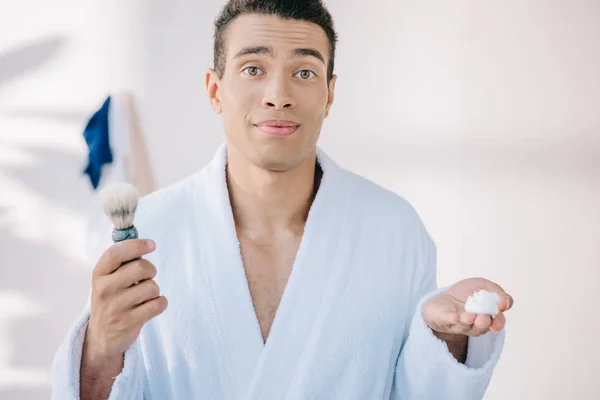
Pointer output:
x,y
446,316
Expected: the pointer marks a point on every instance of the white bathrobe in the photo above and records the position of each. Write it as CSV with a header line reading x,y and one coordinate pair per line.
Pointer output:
x,y
349,325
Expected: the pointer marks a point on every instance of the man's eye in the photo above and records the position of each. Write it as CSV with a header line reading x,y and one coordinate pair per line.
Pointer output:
x,y
252,71
305,74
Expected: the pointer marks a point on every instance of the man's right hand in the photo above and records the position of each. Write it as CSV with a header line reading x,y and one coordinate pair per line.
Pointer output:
x,y
124,298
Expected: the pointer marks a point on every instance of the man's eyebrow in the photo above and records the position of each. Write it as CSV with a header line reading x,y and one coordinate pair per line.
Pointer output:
x,y
258,50
301,52
268,50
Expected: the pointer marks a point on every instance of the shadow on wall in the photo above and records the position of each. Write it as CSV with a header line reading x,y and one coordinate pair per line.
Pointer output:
x,y
38,271
19,63
27,58
33,269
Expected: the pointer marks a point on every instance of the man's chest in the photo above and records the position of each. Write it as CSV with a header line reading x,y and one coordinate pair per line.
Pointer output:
x,y
268,268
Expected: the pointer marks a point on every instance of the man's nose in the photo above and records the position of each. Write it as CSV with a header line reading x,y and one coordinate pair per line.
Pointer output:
x,y
278,96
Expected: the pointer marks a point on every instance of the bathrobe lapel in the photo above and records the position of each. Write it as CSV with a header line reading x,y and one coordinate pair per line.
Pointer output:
x,y
235,321
258,370
310,285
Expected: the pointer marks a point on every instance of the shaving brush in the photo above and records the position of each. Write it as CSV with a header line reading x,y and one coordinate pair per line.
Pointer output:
x,y
119,202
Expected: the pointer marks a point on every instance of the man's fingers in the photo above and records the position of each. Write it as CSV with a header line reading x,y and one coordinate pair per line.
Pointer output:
x,y
132,272
467,318
138,294
150,309
478,324
122,252
498,323
482,321
506,301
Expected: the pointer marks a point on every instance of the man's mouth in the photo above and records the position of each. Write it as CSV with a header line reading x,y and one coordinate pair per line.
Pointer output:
x,y
278,127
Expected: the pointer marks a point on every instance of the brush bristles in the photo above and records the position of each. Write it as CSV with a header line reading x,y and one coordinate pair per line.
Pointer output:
x,y
120,202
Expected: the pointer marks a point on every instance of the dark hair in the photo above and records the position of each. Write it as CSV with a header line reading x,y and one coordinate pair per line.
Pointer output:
x,y
303,10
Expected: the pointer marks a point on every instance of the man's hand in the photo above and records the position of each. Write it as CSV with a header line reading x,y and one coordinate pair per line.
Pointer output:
x,y
124,298
446,316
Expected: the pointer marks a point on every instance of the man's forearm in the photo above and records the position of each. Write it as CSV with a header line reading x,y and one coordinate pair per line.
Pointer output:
x,y
97,374
457,344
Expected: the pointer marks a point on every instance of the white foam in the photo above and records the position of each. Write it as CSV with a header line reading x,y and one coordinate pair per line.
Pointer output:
x,y
483,302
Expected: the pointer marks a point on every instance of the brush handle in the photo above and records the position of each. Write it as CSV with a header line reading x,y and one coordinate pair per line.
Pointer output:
x,y
118,235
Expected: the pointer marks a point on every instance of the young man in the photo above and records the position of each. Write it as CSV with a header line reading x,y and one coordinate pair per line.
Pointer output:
x,y
287,276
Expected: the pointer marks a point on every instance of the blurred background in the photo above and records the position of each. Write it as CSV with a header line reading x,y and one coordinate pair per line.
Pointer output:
x,y
485,115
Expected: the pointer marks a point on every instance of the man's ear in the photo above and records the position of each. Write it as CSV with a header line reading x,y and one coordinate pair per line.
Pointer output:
x,y
212,90
330,94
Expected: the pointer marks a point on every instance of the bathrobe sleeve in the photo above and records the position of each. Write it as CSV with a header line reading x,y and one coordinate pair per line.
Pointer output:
x,y
425,368
67,362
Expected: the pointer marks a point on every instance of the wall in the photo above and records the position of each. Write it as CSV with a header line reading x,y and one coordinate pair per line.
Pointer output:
x,y
58,61
485,115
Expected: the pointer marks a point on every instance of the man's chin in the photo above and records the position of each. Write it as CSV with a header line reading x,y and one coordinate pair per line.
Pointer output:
x,y
278,160
273,155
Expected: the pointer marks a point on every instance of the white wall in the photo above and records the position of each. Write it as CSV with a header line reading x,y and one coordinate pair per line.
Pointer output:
x,y
485,115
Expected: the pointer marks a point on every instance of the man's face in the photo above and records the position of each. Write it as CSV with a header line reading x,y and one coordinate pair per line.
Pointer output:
x,y
273,95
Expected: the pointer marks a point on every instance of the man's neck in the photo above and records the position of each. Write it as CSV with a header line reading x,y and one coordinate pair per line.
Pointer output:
x,y
265,202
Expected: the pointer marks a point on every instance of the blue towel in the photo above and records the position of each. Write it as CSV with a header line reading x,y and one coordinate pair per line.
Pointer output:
x,y
96,135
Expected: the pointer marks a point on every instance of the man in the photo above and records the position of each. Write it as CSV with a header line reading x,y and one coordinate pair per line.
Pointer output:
x,y
287,276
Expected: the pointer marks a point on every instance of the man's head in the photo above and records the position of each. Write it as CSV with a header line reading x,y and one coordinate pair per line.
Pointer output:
x,y
273,63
